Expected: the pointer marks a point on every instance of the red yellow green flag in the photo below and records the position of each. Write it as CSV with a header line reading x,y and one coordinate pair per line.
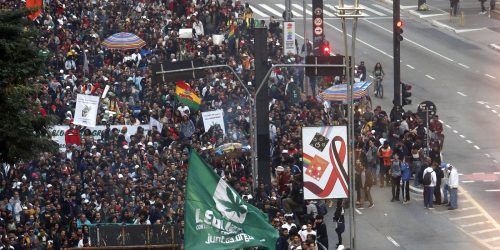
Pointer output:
x,y
186,95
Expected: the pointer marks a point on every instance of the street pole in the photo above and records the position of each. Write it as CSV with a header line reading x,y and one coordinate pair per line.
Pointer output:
x,y
397,56
304,83
354,13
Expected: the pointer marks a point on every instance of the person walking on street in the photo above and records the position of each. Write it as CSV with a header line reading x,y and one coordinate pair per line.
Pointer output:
x,y
405,178
453,186
454,7
483,9
384,153
429,182
338,218
367,179
437,190
378,73
395,177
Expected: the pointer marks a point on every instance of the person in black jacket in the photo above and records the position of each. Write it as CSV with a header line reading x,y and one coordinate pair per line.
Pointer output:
x,y
282,242
437,189
321,232
338,218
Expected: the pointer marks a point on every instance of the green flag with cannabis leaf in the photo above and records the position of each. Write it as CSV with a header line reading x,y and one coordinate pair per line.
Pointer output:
x,y
215,215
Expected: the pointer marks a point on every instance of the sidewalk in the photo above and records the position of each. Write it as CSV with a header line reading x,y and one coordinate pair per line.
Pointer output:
x,y
468,23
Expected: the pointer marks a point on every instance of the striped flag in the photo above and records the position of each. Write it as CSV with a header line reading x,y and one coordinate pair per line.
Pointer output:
x,y
185,94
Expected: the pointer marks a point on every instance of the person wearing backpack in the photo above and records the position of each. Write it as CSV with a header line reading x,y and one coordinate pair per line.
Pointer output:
x,y
395,177
429,182
405,178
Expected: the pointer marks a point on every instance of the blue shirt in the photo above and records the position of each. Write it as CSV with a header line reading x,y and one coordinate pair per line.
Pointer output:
x,y
405,171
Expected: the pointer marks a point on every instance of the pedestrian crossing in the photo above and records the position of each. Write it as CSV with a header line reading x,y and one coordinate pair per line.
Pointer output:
x,y
262,10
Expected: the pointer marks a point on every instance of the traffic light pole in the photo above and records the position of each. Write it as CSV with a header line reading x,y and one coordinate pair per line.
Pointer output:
x,y
397,55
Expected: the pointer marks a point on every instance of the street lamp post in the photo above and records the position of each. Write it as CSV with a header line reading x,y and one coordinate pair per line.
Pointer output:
x,y
348,12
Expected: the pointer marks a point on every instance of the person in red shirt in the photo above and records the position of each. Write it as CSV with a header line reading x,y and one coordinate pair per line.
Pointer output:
x,y
436,127
72,135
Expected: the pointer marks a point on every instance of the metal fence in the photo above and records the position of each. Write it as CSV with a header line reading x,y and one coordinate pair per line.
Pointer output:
x,y
122,236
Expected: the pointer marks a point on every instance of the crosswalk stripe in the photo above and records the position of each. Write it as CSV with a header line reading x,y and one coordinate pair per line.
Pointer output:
x,y
382,8
258,12
295,13
372,10
308,12
327,13
265,6
331,7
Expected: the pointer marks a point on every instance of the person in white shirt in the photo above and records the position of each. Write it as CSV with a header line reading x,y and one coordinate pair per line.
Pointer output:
x,y
289,223
453,186
429,187
304,232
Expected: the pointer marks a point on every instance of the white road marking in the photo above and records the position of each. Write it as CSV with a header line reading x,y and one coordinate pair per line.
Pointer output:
x,y
408,7
357,211
308,12
496,172
498,114
361,41
258,12
454,131
494,111
484,231
460,93
475,224
489,180
409,66
478,173
495,161
491,239
460,174
441,121
477,147
275,12
282,6
392,240
492,190
430,77
481,102
463,65
497,105
372,10
490,76
468,141
408,40
487,155
468,181
467,208
487,106
448,126
462,136
382,8
466,217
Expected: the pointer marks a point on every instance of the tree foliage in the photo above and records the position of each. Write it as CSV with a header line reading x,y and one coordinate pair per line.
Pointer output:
x,y
23,130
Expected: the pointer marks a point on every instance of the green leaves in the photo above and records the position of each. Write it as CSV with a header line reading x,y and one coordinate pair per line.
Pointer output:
x,y
234,204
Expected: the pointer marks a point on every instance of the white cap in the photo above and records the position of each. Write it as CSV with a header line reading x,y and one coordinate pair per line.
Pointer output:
x,y
120,176
137,166
125,146
280,169
150,143
86,201
49,185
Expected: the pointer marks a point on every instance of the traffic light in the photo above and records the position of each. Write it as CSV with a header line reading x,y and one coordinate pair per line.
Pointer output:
x,y
398,28
325,48
406,93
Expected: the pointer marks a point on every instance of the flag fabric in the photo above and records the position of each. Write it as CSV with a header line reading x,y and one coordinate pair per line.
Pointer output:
x,y
34,4
186,95
217,218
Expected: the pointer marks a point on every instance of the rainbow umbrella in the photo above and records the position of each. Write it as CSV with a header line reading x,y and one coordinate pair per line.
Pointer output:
x,y
339,92
124,41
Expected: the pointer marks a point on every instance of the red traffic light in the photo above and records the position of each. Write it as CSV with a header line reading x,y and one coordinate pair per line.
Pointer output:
x,y
400,24
326,50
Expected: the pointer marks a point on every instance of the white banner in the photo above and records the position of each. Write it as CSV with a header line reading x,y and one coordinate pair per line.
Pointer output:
x,y
154,122
57,132
289,38
211,118
325,162
217,39
186,33
86,110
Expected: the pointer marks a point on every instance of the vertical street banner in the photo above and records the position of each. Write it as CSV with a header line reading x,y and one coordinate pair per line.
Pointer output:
x,y
154,122
289,38
318,31
325,162
217,218
212,118
86,110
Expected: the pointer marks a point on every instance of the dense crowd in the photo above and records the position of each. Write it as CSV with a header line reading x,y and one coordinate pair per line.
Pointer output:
x,y
139,178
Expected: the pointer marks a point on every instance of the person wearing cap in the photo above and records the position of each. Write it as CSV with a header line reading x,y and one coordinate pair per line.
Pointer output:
x,y
453,186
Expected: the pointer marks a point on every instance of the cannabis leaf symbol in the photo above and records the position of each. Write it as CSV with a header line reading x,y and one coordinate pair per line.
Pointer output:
x,y
234,204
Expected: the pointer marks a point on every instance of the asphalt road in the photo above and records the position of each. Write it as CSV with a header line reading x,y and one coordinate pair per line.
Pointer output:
x,y
459,73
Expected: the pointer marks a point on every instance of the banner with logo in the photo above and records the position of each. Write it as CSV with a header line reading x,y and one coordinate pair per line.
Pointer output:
x,y
57,132
216,217
86,110
211,118
289,38
154,122
325,162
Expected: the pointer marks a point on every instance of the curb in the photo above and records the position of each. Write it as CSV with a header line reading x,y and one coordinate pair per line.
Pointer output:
x,y
441,25
416,190
494,46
